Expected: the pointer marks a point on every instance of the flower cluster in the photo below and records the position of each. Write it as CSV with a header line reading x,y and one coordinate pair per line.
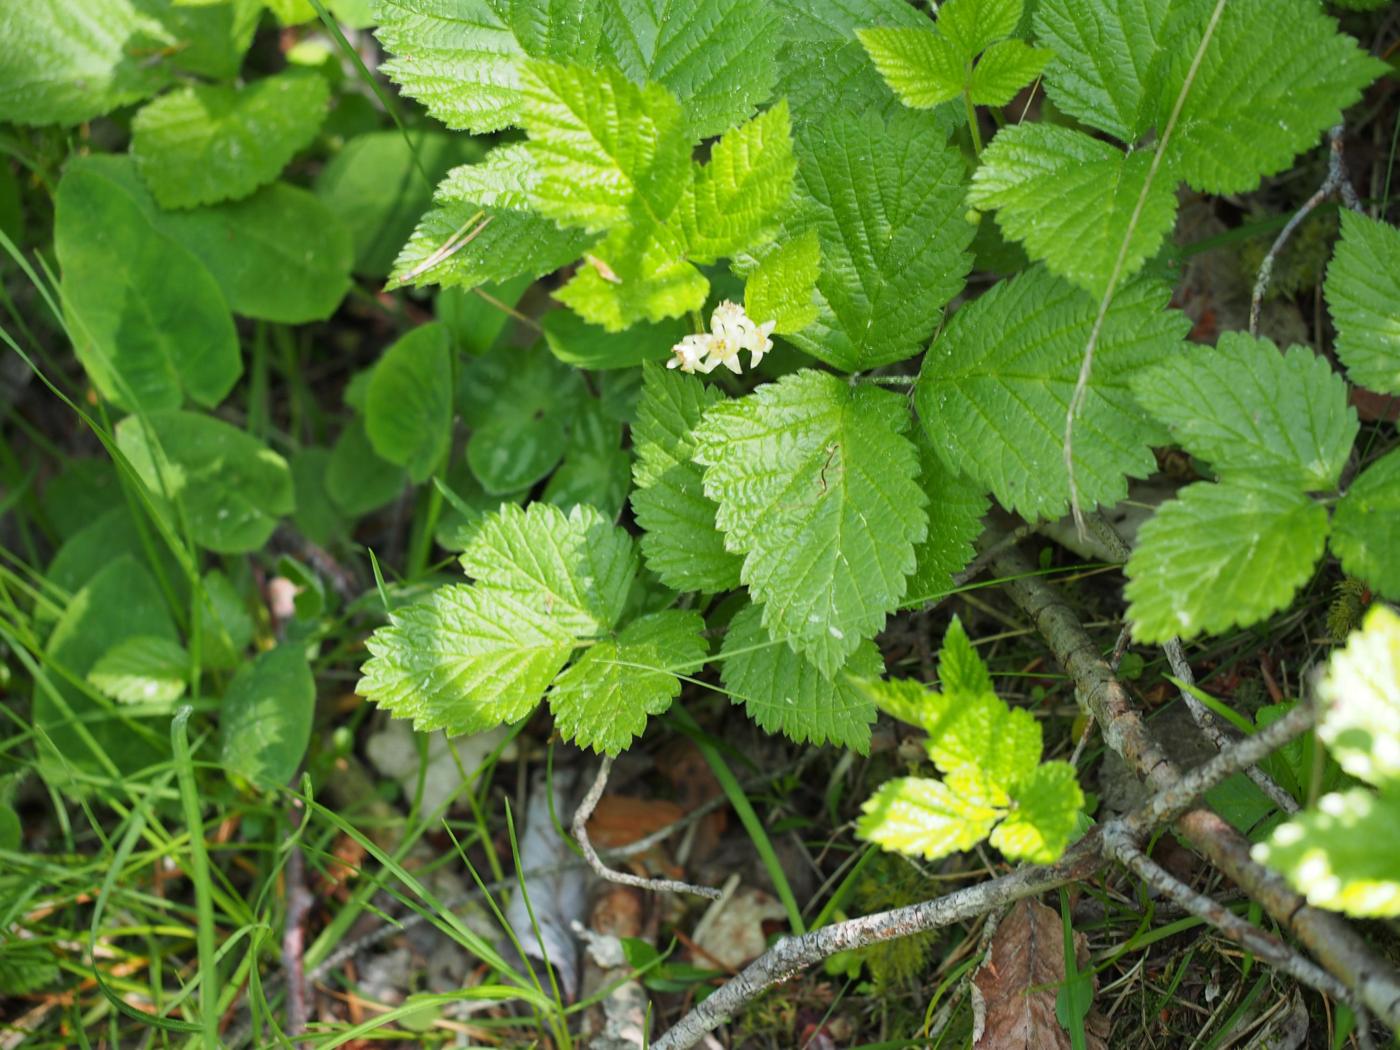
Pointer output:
x,y
731,330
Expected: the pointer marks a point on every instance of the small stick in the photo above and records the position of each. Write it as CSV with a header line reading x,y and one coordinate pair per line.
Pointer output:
x,y
1336,182
580,830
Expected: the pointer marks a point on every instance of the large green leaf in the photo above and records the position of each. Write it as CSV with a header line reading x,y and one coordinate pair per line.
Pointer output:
x,y
1044,813
922,66
604,699
1220,556
1360,695
740,195
680,541
463,59
886,198
576,342
263,272
782,286
996,387
932,818
1251,411
149,322
1104,53
786,693
605,149
376,187
265,717
817,488
716,56
210,142
596,470
1274,77
1363,288
229,487
1366,527
519,404
357,479
955,509
483,228
473,656
142,669
122,601
408,406
1073,200
1344,854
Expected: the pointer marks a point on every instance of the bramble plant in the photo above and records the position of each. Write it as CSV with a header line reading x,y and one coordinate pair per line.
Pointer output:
x,y
811,288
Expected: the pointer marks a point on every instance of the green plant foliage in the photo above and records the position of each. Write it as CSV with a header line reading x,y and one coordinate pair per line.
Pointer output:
x,y
408,405
265,718
226,487
886,199
995,388
782,285
1344,853
680,541
142,670
473,656
993,784
595,469
150,323
603,700
1363,286
1274,427
1366,526
208,143
956,506
817,489
786,693
357,479
576,342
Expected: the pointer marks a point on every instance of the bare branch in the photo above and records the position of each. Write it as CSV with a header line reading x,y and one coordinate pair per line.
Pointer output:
x,y
580,830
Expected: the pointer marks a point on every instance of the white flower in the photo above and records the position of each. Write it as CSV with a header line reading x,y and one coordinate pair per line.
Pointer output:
x,y
731,330
690,353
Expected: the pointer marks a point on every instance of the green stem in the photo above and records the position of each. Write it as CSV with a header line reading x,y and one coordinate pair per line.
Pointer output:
x,y
972,119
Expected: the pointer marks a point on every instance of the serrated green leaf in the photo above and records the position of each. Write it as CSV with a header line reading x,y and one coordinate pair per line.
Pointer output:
x,y
785,693
596,469
374,185
995,388
922,66
1043,816
637,273
1360,695
740,195
1004,69
1072,200
1344,854
470,657
1221,556
1274,77
519,404
886,198
956,506
1249,410
67,60
1363,288
150,325
576,342
463,59
979,731
209,142
408,406
264,273
1104,52
142,669
817,488
230,488
680,541
901,698
603,701
1366,526
973,25
961,672
715,56
781,288
265,718
820,57
357,479
604,148
932,818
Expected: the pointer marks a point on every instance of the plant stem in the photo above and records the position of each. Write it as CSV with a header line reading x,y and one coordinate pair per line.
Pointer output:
x,y
972,118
